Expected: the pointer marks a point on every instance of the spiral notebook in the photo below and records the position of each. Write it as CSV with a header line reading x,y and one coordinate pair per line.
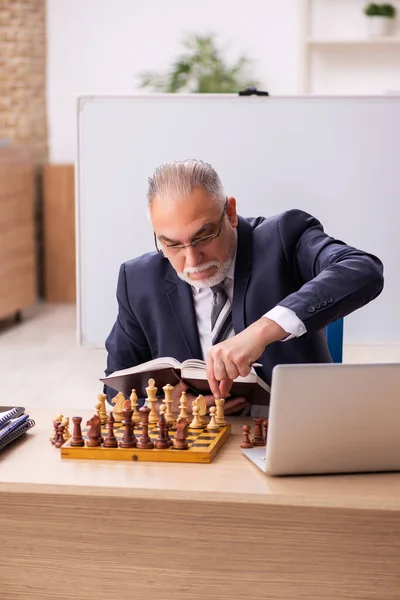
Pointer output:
x,y
14,423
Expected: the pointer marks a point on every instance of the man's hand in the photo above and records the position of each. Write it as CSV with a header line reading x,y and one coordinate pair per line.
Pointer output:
x,y
230,407
235,356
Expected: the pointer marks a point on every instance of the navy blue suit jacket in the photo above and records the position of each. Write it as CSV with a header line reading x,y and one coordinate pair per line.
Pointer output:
x,y
286,259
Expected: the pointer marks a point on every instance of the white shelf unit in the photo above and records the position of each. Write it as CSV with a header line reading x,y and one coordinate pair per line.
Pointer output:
x,y
386,41
313,45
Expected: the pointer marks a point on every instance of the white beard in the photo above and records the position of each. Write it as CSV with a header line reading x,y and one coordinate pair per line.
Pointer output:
x,y
222,270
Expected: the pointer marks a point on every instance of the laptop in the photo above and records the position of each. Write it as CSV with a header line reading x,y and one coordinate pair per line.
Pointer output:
x,y
332,418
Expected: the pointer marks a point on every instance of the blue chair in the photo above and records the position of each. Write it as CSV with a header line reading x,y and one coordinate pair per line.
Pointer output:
x,y
334,336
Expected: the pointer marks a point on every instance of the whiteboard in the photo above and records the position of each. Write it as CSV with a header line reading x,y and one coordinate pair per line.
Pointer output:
x,y
337,158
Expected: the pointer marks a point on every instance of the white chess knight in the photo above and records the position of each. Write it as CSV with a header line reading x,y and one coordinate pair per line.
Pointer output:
x,y
118,401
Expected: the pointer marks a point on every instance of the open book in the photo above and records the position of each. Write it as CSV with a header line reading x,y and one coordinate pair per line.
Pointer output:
x,y
192,371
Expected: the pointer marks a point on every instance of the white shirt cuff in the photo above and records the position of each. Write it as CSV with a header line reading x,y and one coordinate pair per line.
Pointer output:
x,y
288,320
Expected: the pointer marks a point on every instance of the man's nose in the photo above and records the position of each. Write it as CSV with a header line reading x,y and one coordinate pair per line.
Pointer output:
x,y
193,257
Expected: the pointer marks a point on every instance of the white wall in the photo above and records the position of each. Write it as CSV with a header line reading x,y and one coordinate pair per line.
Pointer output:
x,y
99,46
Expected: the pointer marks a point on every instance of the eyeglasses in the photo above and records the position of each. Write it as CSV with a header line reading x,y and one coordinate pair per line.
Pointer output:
x,y
200,242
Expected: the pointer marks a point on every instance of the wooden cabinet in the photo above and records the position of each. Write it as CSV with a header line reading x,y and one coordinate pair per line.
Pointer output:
x,y
59,233
17,232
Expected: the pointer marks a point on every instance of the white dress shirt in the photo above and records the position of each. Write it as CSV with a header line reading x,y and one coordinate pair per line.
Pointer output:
x,y
202,298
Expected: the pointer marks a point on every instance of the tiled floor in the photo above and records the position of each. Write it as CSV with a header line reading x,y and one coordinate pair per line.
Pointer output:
x,y
41,362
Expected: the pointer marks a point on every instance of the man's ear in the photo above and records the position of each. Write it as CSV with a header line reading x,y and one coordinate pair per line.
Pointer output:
x,y
231,211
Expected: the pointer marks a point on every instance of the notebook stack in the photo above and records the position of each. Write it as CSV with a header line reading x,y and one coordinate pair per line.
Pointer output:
x,y
14,423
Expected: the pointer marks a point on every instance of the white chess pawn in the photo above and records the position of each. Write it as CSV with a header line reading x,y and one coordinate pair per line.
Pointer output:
x,y
196,423
213,425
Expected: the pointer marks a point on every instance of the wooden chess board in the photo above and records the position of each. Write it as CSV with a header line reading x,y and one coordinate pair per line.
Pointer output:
x,y
203,446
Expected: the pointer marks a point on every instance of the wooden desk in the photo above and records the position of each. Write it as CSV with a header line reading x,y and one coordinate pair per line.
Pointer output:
x,y
95,530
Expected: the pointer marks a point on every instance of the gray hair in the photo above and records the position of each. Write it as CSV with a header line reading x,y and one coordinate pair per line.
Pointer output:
x,y
178,179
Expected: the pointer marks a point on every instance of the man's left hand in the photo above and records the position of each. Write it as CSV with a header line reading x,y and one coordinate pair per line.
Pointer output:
x,y
235,356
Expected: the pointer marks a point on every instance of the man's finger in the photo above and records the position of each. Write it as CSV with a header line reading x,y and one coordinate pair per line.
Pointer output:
x,y
212,382
225,387
219,369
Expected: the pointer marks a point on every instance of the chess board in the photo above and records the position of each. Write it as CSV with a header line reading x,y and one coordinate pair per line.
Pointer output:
x,y
203,446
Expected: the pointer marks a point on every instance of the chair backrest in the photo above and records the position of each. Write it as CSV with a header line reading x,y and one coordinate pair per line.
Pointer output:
x,y
334,336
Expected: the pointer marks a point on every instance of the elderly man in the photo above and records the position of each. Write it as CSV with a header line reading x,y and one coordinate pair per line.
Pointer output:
x,y
232,290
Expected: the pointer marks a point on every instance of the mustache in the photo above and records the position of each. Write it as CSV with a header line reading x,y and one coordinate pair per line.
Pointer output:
x,y
200,268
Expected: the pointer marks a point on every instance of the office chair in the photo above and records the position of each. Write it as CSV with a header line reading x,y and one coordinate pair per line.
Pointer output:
x,y
334,336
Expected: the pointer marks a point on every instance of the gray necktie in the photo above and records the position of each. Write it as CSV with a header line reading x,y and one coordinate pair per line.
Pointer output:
x,y
221,315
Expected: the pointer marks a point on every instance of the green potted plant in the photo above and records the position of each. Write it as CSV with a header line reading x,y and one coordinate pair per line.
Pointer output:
x,y
201,68
379,18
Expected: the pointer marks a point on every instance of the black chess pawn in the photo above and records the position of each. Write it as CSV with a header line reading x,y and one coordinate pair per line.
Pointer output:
x,y
110,440
128,439
258,439
144,442
162,442
60,436
246,443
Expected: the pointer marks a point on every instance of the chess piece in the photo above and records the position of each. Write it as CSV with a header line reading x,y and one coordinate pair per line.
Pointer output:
x,y
180,440
144,442
134,402
128,439
183,407
101,407
60,436
94,433
151,391
246,443
258,439
110,440
169,440
118,401
265,425
168,389
56,422
162,442
219,415
196,423
67,433
77,439
213,425
201,403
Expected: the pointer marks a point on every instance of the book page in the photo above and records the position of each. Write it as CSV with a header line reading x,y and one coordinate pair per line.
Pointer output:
x,y
151,365
194,363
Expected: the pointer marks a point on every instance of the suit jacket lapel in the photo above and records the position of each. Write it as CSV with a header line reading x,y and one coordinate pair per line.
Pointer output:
x,y
244,257
181,301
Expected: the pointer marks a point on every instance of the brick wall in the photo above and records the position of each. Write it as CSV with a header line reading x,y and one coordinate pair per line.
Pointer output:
x,y
23,75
